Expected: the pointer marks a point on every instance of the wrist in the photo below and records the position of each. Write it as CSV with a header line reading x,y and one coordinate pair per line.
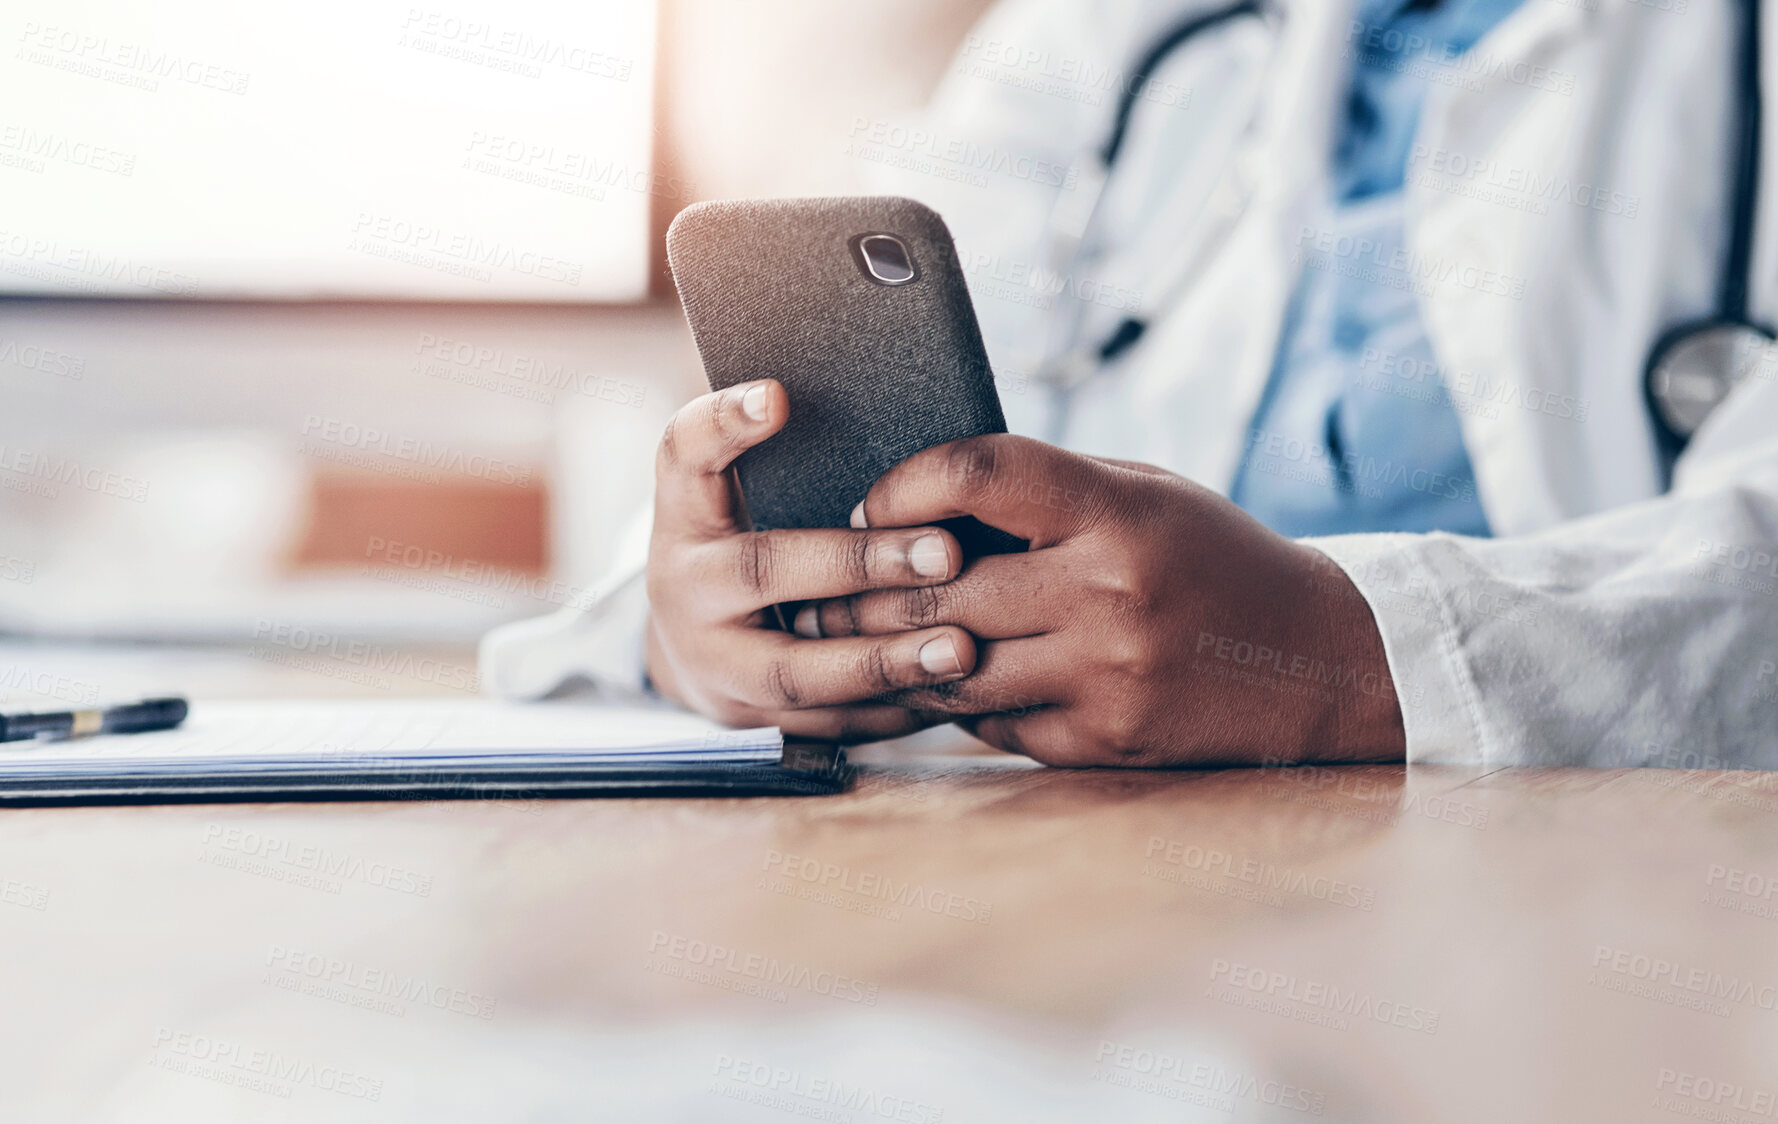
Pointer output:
x,y
1364,722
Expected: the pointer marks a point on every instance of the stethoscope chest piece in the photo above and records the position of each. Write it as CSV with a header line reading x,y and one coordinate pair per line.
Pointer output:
x,y
1696,367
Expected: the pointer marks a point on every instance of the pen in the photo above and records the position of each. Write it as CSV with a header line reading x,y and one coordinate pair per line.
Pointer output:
x,y
124,718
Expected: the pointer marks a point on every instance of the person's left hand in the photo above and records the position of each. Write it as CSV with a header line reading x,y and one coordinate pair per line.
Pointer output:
x,y
1151,623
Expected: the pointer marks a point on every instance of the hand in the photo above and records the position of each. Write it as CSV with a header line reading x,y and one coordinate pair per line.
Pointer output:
x,y
712,586
1151,623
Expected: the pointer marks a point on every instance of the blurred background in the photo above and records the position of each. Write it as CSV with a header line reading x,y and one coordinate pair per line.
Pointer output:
x,y
355,316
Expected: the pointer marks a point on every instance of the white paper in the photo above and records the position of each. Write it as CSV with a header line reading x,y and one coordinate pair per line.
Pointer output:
x,y
454,735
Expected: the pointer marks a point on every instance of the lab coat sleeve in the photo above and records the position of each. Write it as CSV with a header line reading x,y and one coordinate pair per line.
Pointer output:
x,y
1642,636
598,639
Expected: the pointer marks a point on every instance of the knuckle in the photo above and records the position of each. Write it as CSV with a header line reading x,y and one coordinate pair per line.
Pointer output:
x,y
782,689
671,454
876,670
720,413
1139,597
922,606
847,617
1120,735
859,557
1134,655
1134,647
838,617
970,465
700,433
756,560
1119,581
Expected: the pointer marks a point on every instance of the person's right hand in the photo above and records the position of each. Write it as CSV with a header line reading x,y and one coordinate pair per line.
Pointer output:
x,y
712,583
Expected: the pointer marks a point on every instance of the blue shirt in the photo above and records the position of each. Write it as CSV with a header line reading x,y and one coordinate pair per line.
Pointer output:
x,y
1355,430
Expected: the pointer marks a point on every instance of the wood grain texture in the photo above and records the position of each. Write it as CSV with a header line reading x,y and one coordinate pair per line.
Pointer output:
x,y
965,935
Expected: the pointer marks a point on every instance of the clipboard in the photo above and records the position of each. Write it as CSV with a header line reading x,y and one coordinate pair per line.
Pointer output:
x,y
327,750
808,769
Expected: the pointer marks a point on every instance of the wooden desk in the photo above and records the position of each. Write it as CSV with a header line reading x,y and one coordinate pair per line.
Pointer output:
x,y
964,937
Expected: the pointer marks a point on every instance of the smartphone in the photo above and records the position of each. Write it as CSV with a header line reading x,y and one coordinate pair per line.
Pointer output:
x,y
859,307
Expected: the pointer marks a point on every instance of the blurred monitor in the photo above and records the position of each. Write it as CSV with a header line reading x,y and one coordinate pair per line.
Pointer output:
x,y
469,150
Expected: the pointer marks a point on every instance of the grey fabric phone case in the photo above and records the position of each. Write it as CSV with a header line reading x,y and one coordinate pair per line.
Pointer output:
x,y
875,372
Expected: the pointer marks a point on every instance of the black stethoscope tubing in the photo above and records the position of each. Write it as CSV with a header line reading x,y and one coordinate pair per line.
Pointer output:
x,y
1732,288
1731,314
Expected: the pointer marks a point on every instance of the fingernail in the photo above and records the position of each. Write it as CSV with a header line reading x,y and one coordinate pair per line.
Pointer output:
x,y
754,403
929,557
808,623
939,657
858,516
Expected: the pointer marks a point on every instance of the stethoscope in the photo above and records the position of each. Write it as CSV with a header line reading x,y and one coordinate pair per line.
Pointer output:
x,y
1695,365
1692,367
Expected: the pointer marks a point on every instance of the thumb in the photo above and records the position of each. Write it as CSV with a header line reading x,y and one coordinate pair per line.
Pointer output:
x,y
693,495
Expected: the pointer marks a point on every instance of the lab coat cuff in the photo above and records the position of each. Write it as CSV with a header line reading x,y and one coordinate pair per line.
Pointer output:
x,y
602,642
1440,710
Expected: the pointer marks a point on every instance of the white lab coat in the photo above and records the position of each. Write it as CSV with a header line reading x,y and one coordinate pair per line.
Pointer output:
x,y
1618,618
